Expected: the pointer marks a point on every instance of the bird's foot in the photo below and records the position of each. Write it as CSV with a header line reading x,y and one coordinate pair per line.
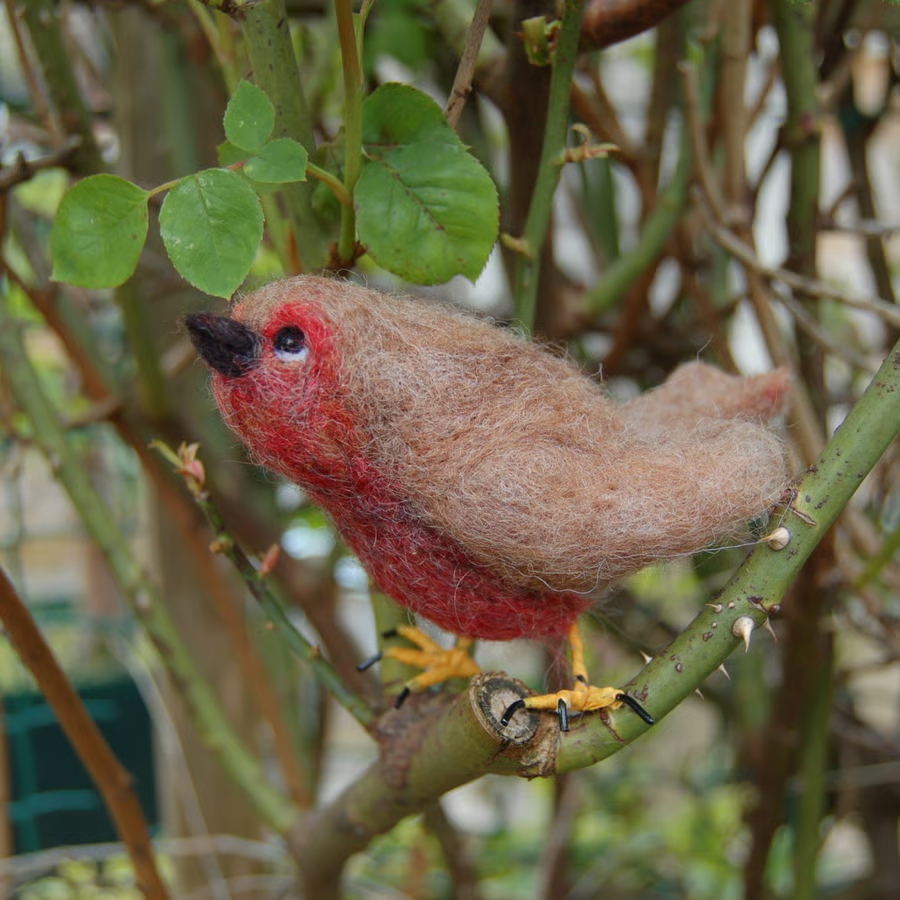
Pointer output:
x,y
437,664
584,697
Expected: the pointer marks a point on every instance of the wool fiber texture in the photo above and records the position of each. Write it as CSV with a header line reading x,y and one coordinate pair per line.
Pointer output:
x,y
484,482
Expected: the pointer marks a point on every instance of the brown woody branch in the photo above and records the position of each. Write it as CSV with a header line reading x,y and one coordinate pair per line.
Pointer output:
x,y
112,780
608,22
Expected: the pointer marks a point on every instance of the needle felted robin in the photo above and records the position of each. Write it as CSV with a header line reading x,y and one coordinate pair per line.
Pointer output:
x,y
485,483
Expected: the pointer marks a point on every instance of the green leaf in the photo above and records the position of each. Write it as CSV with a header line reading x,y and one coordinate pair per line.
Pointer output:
x,y
99,232
249,118
279,162
426,208
211,224
400,114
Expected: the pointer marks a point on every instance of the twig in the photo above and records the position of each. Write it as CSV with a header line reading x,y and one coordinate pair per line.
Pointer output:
x,y
598,113
810,287
462,83
435,743
110,406
808,323
553,861
191,469
267,39
759,104
808,647
736,38
808,432
670,48
171,742
609,22
112,780
456,854
41,17
868,228
657,228
709,314
24,169
353,92
702,164
30,865
856,138
35,88
527,264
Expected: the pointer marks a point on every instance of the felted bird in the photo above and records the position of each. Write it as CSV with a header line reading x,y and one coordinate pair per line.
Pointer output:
x,y
485,483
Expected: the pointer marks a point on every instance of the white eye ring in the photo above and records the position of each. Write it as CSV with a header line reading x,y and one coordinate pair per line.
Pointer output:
x,y
290,344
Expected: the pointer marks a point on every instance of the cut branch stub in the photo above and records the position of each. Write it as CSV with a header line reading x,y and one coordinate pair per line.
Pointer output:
x,y
531,738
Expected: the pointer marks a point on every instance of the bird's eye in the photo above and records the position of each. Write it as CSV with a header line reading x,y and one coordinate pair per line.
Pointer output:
x,y
290,344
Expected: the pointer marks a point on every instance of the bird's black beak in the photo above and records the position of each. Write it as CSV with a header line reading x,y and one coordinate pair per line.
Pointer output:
x,y
225,344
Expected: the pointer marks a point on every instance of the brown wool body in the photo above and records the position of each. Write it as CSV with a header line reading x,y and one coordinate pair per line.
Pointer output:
x,y
485,482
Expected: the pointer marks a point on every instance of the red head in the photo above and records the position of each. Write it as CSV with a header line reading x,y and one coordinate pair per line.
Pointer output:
x,y
277,379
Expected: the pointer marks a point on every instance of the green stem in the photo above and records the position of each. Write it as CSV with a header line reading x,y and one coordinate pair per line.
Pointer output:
x,y
801,135
135,585
389,615
350,51
42,20
345,198
527,270
274,610
214,34
813,772
795,24
624,271
454,20
267,37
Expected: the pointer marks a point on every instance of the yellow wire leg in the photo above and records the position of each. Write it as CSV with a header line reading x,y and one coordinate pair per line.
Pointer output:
x,y
437,664
584,697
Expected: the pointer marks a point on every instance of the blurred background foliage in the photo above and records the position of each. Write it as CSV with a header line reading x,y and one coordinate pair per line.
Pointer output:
x,y
772,150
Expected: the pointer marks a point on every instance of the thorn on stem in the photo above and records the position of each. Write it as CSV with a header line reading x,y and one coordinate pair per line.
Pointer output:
x,y
777,539
743,627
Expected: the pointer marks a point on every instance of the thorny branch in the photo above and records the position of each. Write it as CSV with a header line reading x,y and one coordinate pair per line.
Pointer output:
x,y
402,783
